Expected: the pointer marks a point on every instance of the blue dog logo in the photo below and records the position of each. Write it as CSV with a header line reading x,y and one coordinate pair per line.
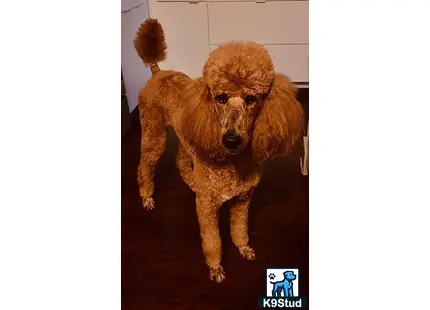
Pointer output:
x,y
286,285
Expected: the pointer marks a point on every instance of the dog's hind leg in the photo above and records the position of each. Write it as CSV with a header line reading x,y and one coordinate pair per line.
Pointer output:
x,y
277,291
285,291
153,143
185,166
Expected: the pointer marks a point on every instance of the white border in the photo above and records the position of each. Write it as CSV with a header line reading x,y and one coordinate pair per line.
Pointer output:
x,y
60,156
369,196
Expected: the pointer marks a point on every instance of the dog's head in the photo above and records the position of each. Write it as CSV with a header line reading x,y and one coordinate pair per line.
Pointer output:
x,y
289,275
241,102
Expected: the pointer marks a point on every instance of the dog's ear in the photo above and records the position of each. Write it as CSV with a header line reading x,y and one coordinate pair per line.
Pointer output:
x,y
280,122
199,123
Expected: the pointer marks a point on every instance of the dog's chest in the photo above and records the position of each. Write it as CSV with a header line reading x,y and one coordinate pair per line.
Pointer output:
x,y
228,184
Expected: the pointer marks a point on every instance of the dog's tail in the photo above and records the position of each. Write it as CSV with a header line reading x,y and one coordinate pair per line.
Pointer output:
x,y
150,44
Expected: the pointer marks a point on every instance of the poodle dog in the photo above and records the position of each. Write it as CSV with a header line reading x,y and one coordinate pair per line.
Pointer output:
x,y
239,114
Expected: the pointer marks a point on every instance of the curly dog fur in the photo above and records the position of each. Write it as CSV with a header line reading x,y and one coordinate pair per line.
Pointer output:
x,y
239,114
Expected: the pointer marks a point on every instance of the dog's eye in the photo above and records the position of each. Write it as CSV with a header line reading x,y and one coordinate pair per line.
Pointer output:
x,y
250,99
222,98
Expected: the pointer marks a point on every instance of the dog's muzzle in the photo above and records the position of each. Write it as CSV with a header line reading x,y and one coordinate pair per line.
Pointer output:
x,y
231,140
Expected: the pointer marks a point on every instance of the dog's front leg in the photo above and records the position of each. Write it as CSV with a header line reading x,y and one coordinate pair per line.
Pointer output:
x,y
207,213
239,225
185,166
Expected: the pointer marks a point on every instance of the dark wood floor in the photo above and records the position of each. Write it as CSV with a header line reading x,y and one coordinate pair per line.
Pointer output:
x,y
162,263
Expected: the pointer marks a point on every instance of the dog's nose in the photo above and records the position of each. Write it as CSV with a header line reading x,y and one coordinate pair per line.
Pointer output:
x,y
231,141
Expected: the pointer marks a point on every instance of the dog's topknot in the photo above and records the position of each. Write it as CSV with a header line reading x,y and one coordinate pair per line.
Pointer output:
x,y
150,43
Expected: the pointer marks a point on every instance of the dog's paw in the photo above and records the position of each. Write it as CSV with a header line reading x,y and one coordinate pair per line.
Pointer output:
x,y
148,203
217,274
247,252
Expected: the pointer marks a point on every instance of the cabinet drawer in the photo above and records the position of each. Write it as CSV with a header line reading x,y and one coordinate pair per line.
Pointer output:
x,y
290,60
276,22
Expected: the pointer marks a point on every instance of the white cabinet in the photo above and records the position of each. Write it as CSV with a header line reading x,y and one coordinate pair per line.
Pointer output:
x,y
282,26
194,28
185,26
135,73
127,5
